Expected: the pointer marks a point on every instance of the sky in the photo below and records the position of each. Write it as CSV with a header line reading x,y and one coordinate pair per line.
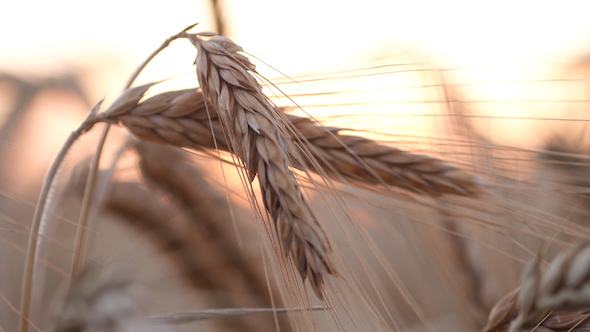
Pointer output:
x,y
454,32
44,38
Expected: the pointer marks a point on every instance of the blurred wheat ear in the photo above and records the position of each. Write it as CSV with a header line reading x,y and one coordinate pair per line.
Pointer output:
x,y
181,118
259,134
557,299
191,226
100,298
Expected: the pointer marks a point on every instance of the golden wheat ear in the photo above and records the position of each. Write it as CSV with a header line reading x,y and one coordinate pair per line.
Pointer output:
x,y
259,134
180,118
365,161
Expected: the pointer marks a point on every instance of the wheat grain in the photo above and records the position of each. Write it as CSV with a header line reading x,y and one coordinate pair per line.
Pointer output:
x,y
259,135
364,160
262,137
504,313
181,118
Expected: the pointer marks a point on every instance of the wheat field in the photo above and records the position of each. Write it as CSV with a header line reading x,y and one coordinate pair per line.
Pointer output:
x,y
384,196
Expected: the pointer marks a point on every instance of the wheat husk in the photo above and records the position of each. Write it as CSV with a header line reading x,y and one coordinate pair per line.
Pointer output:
x,y
190,226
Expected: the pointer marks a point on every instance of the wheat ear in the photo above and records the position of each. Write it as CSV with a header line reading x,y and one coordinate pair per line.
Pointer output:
x,y
558,299
260,136
127,98
170,169
366,161
180,118
208,228
193,252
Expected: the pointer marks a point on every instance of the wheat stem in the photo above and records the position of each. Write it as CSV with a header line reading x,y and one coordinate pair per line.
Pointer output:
x,y
85,208
128,98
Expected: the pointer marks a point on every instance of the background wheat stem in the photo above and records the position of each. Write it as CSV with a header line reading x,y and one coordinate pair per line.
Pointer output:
x,y
85,208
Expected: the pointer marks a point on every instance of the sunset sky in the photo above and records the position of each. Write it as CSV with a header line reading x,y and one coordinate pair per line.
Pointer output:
x,y
456,32
303,37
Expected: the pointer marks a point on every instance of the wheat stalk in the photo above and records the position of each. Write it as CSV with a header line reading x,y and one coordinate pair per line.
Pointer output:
x,y
39,213
128,97
180,118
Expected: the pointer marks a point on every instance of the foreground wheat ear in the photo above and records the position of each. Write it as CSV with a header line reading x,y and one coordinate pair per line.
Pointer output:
x,y
101,298
556,300
181,118
261,137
